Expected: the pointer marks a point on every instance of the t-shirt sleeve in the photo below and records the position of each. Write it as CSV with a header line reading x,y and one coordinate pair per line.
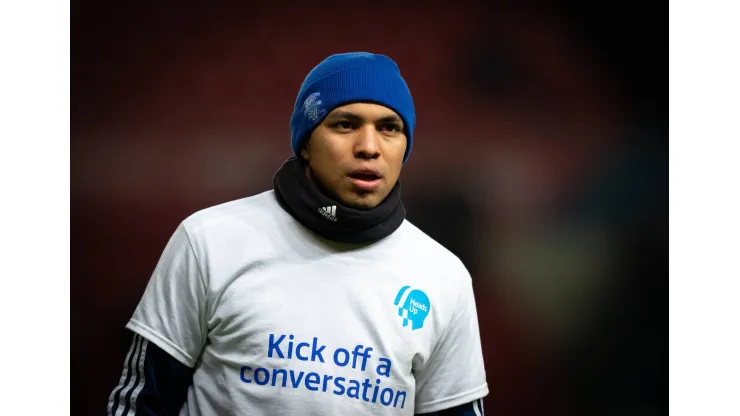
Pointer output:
x,y
172,311
454,373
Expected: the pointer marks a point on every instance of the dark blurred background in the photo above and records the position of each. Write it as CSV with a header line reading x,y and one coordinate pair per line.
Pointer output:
x,y
540,159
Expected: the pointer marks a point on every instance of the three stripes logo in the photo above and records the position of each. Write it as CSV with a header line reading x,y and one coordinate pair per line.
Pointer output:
x,y
123,399
330,212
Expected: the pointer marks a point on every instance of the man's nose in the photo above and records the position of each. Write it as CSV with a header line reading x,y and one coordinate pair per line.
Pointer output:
x,y
367,144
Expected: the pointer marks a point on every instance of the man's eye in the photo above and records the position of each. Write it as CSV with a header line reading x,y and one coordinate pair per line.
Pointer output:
x,y
344,125
391,127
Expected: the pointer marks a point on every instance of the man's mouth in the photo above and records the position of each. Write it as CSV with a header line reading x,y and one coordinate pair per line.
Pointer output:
x,y
365,180
365,176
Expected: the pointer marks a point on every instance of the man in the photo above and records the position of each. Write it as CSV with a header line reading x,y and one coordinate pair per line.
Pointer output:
x,y
316,297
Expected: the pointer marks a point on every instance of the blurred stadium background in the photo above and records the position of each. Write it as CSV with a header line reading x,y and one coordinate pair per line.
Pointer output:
x,y
540,159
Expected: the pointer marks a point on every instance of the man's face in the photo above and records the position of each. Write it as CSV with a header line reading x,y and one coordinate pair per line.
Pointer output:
x,y
356,153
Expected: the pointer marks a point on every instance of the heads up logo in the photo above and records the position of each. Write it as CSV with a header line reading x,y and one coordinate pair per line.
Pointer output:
x,y
413,305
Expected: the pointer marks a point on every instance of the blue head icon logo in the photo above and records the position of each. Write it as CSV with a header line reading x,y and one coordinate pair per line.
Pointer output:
x,y
413,306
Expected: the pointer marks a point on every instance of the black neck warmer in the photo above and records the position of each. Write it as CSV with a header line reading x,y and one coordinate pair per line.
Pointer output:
x,y
306,203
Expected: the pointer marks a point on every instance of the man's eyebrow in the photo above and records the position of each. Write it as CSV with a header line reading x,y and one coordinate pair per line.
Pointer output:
x,y
354,117
391,118
345,114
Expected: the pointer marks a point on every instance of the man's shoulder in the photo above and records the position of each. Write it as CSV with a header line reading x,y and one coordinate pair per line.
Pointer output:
x,y
419,245
426,264
249,212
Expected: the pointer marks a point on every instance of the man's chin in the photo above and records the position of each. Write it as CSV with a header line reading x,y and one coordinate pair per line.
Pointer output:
x,y
361,201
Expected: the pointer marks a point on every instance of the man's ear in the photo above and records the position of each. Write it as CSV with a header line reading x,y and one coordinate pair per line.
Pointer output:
x,y
304,151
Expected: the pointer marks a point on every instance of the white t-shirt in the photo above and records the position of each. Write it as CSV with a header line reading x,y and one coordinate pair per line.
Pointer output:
x,y
277,320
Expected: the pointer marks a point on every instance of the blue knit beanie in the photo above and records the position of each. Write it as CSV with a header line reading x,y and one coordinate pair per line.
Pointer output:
x,y
347,78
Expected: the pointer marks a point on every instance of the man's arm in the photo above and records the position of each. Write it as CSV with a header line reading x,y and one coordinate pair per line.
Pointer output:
x,y
152,383
170,330
454,374
474,408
